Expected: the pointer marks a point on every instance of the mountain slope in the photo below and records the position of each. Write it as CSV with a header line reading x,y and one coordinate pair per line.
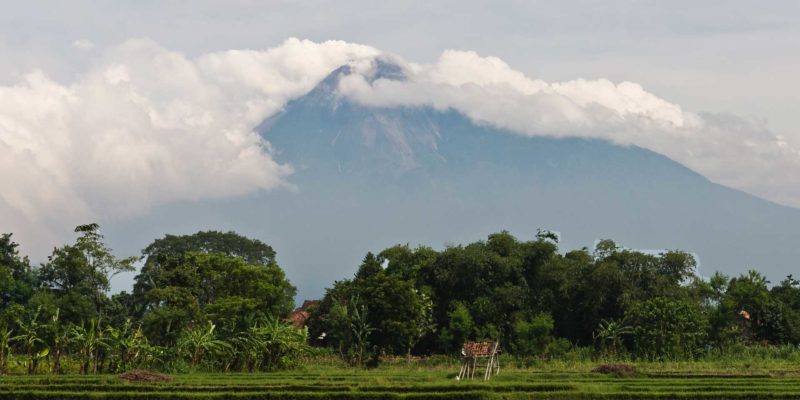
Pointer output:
x,y
367,178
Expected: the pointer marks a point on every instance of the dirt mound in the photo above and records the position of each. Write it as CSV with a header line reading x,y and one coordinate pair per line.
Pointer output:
x,y
139,376
619,370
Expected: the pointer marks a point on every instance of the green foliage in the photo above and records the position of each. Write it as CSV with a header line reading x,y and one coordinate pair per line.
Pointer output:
x,y
460,328
30,339
216,301
222,277
667,328
199,286
17,279
610,334
197,341
77,277
534,336
87,339
6,337
377,308
230,244
270,345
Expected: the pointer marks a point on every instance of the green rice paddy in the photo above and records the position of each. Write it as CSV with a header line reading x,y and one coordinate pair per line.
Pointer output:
x,y
416,382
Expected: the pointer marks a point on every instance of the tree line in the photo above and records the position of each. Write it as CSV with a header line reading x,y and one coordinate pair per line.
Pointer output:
x,y
218,301
209,300
539,302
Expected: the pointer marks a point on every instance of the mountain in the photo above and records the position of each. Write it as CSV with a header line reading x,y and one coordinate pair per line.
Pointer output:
x,y
370,177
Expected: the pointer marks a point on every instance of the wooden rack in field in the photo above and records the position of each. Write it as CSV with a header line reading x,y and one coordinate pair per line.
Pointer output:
x,y
483,355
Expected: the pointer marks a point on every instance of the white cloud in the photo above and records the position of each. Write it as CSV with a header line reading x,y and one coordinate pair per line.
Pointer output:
x,y
83,44
147,126
738,152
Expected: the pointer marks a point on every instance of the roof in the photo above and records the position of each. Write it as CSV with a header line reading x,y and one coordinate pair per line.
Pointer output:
x,y
300,315
480,349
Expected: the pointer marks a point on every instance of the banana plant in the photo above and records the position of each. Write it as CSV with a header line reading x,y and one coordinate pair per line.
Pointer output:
x,y
361,329
610,333
127,346
199,341
60,335
35,347
88,341
247,349
271,344
5,348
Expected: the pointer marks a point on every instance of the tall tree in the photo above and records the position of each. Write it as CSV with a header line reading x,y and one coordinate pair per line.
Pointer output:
x,y
78,276
199,286
17,279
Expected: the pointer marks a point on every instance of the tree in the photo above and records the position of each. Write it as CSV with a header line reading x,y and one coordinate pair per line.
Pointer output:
x,y
783,315
460,328
220,288
532,336
747,293
231,244
408,263
665,327
398,313
490,278
79,275
17,279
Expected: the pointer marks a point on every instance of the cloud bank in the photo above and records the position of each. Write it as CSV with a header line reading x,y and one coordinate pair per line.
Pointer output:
x,y
734,151
147,126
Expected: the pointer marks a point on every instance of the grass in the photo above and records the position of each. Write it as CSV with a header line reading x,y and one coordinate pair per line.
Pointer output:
x,y
549,380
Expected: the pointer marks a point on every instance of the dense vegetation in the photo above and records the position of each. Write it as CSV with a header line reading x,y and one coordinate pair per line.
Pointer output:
x,y
539,302
217,301
210,300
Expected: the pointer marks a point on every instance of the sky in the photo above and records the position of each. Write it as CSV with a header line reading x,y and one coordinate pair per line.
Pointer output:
x,y
111,108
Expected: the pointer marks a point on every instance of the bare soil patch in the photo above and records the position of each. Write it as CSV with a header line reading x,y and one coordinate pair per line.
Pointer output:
x,y
619,370
141,376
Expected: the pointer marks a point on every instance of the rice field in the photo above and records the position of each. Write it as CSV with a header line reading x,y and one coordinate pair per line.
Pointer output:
x,y
417,383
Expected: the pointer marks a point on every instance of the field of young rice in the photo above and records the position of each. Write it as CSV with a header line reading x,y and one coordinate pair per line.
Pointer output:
x,y
412,384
